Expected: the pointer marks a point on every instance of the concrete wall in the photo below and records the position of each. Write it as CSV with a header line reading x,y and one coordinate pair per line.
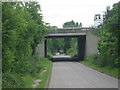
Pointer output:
x,y
91,43
40,50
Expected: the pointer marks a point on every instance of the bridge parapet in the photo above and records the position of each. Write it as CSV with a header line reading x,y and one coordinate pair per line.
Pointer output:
x,y
69,30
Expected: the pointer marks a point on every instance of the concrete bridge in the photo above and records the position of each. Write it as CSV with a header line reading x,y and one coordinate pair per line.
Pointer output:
x,y
86,40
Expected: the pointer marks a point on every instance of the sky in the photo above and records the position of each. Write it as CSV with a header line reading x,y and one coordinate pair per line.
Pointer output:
x,y
57,12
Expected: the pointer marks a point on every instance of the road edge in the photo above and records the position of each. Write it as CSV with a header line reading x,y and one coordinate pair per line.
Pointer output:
x,y
49,77
99,70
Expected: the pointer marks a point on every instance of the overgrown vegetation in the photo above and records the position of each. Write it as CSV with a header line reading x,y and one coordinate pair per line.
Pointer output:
x,y
108,44
42,75
23,29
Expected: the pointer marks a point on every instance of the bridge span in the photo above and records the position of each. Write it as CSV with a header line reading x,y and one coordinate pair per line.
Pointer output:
x,y
86,40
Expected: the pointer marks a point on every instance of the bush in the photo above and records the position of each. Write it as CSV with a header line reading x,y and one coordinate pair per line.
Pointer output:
x,y
100,60
33,68
11,80
97,59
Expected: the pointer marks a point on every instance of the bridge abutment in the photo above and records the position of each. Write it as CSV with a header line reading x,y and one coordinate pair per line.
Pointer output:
x,y
91,43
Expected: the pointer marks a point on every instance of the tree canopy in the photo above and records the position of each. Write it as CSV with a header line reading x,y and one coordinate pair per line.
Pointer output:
x,y
71,24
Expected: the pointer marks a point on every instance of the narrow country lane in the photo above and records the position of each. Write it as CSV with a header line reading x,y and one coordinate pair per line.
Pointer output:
x,y
77,75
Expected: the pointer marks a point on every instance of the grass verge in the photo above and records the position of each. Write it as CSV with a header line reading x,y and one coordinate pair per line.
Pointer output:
x,y
28,79
106,69
43,75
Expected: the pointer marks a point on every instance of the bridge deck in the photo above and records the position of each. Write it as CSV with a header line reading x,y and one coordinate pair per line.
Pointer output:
x,y
65,35
69,30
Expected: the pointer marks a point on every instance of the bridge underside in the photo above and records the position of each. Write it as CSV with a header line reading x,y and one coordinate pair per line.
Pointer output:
x,y
81,41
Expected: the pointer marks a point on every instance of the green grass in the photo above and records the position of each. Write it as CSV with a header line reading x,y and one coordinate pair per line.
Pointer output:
x,y
106,69
46,75
29,80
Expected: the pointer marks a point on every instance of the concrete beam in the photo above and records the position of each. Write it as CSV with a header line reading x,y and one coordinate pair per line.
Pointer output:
x,y
65,35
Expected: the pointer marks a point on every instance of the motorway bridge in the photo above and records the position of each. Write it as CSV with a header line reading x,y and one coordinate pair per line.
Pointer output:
x,y
86,40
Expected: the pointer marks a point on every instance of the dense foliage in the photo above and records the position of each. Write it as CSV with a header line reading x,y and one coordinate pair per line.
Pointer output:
x,y
108,44
23,29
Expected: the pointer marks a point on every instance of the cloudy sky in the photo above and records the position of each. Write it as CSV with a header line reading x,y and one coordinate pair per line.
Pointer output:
x,y
57,12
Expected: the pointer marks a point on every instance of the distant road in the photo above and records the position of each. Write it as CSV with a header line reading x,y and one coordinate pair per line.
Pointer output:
x,y
61,56
76,75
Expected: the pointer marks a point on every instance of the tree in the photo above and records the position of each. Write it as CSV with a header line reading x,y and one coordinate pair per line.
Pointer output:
x,y
71,24
23,29
108,44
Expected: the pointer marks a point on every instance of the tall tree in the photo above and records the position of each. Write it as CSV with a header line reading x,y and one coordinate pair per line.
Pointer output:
x,y
108,44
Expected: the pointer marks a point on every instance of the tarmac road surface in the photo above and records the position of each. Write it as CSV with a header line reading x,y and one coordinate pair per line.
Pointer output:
x,y
77,75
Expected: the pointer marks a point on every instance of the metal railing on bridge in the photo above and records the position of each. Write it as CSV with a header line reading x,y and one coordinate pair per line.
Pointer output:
x,y
68,30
